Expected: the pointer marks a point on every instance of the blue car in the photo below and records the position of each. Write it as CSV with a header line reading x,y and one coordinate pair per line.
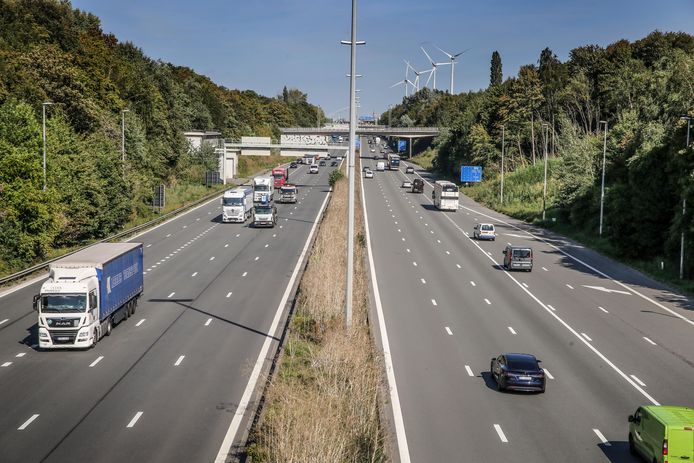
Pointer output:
x,y
518,372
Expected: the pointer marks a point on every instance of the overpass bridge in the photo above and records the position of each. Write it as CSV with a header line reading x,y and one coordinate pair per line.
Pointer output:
x,y
367,130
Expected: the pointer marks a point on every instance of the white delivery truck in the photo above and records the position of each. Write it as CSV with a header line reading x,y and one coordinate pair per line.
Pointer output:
x,y
288,193
263,186
380,166
87,293
237,204
445,195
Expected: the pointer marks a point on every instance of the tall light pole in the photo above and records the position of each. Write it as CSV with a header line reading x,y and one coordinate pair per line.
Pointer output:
x,y
47,103
602,187
503,145
350,164
684,206
544,188
122,132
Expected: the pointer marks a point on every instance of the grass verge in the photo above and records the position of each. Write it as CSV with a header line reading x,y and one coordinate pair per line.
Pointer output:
x,y
250,165
323,403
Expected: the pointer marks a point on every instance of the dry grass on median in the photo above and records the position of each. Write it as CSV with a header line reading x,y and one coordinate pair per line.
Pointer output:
x,y
322,405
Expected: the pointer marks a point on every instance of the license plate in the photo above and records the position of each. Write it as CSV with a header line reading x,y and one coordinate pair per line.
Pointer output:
x,y
524,378
62,338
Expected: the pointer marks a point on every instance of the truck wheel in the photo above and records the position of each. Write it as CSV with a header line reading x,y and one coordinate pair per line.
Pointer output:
x,y
109,327
132,312
94,339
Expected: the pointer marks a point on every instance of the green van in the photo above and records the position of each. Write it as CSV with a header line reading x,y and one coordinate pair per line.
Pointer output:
x,y
662,433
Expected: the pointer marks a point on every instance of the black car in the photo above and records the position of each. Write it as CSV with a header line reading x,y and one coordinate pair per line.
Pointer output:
x,y
321,163
292,165
518,372
333,163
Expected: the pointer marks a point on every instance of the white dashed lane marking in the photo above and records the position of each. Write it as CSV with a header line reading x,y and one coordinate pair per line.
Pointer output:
x,y
170,295
229,294
604,441
469,370
98,359
194,273
180,359
207,323
448,330
603,309
140,322
500,432
510,328
648,340
136,417
28,422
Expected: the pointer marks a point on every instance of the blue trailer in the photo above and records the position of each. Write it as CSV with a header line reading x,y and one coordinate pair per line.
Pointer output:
x,y
89,292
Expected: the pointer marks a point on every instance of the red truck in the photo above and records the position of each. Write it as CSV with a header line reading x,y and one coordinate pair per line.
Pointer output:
x,y
281,176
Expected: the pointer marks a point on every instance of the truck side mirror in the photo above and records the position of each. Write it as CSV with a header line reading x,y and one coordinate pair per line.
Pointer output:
x,y
36,302
631,418
504,251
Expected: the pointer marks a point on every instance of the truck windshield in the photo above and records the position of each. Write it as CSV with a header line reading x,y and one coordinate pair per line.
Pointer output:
x,y
233,202
64,303
261,188
263,210
287,191
278,175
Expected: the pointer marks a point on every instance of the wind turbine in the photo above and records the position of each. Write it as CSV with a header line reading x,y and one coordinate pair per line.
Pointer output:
x,y
452,63
434,65
417,74
405,81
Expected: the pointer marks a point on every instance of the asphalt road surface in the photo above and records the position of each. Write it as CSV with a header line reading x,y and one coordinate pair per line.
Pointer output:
x,y
166,384
609,338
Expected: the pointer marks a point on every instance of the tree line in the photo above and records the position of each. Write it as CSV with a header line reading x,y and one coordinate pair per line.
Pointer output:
x,y
640,91
52,52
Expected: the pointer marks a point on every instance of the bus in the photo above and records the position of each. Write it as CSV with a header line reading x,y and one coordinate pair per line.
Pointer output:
x,y
445,195
393,162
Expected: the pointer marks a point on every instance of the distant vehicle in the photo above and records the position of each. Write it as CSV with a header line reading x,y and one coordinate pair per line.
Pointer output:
x,y
87,293
327,156
484,231
380,166
309,159
322,163
406,184
520,372
378,139
393,161
313,169
340,139
263,185
237,204
369,174
293,165
264,215
339,158
372,150
365,168
281,176
660,431
445,195
518,258
418,185
409,170
288,193
333,163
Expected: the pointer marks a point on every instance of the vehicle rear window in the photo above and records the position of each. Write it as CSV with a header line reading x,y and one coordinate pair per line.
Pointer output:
x,y
487,227
449,188
521,363
522,253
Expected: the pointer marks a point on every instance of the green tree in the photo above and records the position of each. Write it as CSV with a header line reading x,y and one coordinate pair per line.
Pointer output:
x,y
496,74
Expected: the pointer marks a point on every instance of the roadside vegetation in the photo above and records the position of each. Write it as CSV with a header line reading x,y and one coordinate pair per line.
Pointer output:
x,y
641,90
251,165
51,52
323,402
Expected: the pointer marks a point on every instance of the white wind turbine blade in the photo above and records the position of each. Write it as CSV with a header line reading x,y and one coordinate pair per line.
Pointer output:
x,y
433,63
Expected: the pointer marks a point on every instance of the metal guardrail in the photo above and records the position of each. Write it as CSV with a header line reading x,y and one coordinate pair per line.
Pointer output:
x,y
135,229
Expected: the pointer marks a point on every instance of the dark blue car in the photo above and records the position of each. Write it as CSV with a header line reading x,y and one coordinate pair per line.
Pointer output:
x,y
518,372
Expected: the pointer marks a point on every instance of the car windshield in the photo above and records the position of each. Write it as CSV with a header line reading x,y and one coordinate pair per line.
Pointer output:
x,y
263,210
487,227
233,201
521,253
522,363
261,188
71,303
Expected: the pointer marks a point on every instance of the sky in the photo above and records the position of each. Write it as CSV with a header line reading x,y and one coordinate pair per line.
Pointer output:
x,y
265,45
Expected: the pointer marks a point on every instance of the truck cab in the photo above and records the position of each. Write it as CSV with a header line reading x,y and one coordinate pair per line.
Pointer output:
x,y
265,214
237,205
263,186
288,193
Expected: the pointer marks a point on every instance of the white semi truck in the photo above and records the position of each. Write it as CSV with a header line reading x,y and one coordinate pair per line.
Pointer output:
x,y
445,195
237,205
263,186
87,293
264,214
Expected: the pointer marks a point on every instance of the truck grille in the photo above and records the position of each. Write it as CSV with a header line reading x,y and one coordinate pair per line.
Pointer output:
x,y
63,336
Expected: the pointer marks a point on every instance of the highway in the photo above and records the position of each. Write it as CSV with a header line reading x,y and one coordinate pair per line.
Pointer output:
x,y
609,338
167,383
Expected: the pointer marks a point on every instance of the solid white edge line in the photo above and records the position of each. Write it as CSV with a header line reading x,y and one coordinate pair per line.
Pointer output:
x,y
28,422
469,370
605,442
262,355
98,359
557,317
398,421
500,432
134,420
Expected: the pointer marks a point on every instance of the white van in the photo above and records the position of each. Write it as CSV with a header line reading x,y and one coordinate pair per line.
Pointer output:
x,y
380,166
484,231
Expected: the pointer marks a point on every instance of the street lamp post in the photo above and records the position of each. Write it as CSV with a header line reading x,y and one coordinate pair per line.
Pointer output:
x,y
503,145
122,131
350,165
544,188
602,187
684,206
47,103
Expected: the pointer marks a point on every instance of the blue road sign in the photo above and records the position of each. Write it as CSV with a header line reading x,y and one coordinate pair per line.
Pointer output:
x,y
471,174
402,146
357,143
